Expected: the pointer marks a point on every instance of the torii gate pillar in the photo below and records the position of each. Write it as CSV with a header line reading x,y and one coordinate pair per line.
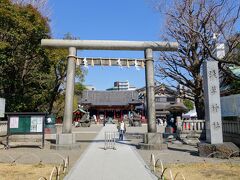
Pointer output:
x,y
149,75
68,110
67,139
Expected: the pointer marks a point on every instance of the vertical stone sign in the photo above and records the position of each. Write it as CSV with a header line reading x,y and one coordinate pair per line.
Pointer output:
x,y
212,103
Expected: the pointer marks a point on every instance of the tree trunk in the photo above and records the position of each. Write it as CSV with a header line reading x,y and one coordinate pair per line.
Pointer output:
x,y
53,96
199,104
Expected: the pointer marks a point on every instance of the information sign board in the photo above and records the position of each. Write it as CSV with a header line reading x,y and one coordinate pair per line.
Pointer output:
x,y
2,107
26,123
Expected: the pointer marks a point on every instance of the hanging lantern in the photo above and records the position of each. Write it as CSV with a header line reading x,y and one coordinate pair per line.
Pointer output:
x,y
109,62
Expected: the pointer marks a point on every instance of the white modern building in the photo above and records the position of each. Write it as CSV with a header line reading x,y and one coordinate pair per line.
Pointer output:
x,y
122,86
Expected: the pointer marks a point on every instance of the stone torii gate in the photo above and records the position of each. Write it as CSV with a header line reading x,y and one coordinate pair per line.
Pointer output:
x,y
67,138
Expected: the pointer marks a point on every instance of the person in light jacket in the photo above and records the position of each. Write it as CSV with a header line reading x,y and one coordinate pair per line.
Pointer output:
x,y
122,129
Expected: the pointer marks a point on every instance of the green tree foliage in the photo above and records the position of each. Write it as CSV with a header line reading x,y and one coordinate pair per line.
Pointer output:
x,y
58,59
56,81
189,104
56,77
32,78
24,64
79,87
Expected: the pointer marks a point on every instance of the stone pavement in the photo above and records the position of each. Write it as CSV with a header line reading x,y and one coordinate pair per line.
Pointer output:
x,y
98,164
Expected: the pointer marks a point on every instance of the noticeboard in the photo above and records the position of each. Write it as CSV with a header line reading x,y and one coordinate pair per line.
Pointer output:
x,y
26,123
2,107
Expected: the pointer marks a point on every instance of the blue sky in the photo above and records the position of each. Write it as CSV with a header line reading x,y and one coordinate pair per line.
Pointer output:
x,y
107,20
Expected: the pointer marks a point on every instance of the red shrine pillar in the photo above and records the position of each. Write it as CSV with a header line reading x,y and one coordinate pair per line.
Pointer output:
x,y
97,116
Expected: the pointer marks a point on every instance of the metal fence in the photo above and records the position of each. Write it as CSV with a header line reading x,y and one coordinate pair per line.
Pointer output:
x,y
110,140
231,127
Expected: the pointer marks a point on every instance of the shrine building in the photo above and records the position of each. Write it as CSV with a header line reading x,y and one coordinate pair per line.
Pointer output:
x,y
110,104
164,96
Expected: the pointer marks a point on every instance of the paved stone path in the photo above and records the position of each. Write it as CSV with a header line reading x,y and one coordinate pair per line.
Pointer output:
x,y
98,164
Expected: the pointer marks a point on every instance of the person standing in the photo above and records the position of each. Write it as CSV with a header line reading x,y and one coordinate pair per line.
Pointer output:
x,y
95,119
122,129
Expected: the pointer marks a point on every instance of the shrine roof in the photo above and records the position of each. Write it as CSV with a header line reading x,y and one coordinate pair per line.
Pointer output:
x,y
110,98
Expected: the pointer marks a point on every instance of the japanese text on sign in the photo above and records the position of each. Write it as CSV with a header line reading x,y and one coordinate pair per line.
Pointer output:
x,y
14,122
36,124
212,74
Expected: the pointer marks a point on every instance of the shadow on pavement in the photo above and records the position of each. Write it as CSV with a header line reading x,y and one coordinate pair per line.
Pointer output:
x,y
192,152
25,146
126,143
89,141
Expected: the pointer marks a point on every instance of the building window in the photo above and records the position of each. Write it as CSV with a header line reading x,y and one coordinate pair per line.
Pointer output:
x,y
161,99
170,99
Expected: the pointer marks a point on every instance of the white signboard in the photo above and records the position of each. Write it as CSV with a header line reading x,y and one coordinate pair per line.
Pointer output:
x,y
14,122
2,107
36,124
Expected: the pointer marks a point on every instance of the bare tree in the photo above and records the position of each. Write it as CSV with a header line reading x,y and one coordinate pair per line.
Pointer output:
x,y
193,23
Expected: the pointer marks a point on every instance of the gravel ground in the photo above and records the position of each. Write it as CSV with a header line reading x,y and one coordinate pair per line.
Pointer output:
x,y
33,155
176,152
179,153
